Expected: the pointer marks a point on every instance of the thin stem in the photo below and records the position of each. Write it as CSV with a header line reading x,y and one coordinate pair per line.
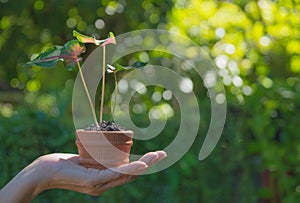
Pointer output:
x,y
87,94
116,92
103,84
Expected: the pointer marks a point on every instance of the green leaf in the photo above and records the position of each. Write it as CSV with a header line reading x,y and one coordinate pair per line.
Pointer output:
x,y
47,59
138,64
70,53
118,67
86,39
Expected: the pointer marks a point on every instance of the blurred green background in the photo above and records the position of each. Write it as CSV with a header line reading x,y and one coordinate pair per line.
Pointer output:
x,y
256,48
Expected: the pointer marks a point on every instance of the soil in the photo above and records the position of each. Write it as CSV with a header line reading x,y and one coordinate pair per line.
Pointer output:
x,y
105,126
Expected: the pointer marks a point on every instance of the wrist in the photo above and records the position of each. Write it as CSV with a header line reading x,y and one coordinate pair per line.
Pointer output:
x,y
35,177
42,173
27,184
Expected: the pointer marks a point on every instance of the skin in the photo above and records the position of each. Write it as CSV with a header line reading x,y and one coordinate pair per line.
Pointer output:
x,y
63,171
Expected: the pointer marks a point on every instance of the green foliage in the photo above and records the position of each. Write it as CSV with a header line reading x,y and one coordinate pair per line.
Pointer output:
x,y
255,45
69,54
47,59
118,67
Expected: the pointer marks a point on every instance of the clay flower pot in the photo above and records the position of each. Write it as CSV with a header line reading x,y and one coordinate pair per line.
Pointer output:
x,y
103,149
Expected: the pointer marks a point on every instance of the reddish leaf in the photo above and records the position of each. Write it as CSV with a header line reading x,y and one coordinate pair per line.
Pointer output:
x,y
70,53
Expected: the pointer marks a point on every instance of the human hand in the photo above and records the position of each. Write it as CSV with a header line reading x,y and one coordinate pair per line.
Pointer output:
x,y
63,171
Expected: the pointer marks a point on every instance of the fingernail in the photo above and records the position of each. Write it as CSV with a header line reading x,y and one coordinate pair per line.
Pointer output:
x,y
162,157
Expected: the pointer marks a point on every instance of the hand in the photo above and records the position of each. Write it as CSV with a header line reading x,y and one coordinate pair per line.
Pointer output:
x,y
63,171
67,174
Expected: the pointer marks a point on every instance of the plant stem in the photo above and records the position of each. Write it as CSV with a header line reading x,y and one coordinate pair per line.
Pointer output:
x,y
103,84
116,92
88,94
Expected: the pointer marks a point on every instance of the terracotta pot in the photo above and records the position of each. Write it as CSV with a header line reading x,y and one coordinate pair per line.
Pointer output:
x,y
103,149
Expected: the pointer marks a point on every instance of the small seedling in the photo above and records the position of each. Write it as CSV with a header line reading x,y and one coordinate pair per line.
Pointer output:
x,y
70,53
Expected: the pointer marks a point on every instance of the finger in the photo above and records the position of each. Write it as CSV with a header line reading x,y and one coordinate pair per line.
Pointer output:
x,y
161,155
100,177
133,168
120,181
149,157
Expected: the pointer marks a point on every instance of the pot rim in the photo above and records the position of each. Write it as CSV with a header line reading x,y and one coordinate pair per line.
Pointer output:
x,y
108,132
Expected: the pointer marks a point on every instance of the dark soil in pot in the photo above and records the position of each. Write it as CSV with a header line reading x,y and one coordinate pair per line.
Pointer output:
x,y
106,126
